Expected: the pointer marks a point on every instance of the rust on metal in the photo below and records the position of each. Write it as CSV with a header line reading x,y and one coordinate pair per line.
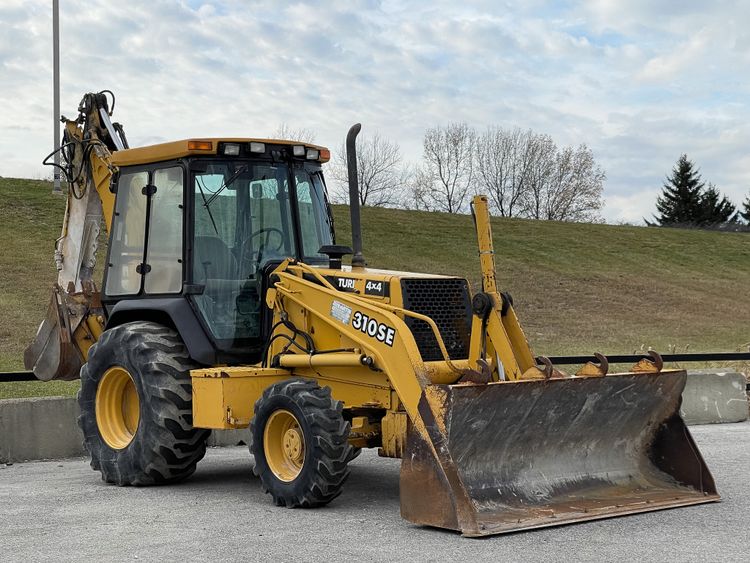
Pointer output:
x,y
599,369
507,456
546,371
481,375
652,364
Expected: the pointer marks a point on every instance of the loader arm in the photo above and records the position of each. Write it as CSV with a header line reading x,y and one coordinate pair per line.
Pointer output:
x,y
74,317
342,314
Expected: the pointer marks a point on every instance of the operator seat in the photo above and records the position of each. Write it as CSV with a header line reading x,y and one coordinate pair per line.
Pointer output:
x,y
213,260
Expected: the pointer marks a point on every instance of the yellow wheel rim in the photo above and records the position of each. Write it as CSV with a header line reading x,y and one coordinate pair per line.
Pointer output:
x,y
117,408
284,445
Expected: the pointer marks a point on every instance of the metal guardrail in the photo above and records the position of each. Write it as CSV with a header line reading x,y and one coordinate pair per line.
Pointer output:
x,y
557,360
631,358
17,376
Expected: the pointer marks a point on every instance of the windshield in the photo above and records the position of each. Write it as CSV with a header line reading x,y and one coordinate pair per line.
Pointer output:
x,y
244,207
244,219
315,223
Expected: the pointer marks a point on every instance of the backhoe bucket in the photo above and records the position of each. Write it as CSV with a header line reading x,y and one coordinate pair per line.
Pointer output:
x,y
512,455
53,354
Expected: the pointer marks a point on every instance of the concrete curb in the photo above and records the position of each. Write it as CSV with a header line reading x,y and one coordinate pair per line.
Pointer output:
x,y
713,396
46,428
39,428
220,438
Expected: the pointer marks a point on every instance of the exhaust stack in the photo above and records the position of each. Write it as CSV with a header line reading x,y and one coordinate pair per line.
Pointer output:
x,y
358,259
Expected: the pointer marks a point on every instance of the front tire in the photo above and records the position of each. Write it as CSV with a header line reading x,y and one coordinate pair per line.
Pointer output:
x,y
300,444
136,406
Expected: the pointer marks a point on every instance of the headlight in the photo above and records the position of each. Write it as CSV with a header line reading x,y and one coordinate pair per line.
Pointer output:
x,y
231,149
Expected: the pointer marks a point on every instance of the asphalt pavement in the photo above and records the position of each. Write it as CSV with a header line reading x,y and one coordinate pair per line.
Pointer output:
x,y
62,511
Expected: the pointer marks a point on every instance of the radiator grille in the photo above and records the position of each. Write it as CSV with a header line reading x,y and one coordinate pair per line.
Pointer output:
x,y
446,301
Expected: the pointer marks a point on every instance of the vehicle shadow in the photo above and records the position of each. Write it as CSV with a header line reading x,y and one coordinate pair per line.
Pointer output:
x,y
372,479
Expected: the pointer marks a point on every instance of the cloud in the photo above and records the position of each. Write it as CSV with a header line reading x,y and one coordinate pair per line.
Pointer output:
x,y
630,208
684,55
639,82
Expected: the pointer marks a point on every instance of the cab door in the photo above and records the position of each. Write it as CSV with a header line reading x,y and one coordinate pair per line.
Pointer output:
x,y
145,250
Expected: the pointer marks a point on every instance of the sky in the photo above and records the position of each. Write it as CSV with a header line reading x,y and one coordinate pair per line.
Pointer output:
x,y
639,82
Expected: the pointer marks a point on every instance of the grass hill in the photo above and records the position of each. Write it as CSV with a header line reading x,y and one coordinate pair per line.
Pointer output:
x,y
584,287
577,287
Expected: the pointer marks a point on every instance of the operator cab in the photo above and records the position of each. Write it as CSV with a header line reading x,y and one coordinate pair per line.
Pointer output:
x,y
209,221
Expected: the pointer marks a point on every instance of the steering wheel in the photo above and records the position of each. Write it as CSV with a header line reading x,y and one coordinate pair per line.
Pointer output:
x,y
268,232
250,257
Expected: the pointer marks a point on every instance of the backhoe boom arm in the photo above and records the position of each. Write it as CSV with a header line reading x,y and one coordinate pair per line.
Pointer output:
x,y
74,318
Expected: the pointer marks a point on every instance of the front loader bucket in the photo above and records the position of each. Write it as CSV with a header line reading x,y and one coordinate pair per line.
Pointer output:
x,y
508,456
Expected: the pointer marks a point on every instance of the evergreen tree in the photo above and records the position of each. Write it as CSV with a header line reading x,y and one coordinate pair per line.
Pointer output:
x,y
745,214
681,200
716,209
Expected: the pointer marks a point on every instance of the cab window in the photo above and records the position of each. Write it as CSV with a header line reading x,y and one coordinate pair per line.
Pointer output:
x,y
164,255
242,221
315,224
146,242
128,236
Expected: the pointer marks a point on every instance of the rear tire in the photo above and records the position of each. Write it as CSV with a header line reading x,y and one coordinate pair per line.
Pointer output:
x,y
300,444
137,383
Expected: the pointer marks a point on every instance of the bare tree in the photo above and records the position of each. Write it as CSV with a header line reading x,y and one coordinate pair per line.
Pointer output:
x,y
565,184
542,150
447,174
285,132
382,176
503,163
420,191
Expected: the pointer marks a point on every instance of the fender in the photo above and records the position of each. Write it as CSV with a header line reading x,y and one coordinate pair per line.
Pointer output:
x,y
174,312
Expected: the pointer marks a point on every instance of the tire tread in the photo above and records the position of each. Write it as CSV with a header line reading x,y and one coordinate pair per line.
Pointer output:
x,y
331,449
166,448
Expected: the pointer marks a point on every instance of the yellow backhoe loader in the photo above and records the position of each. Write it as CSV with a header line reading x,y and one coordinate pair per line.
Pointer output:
x,y
225,304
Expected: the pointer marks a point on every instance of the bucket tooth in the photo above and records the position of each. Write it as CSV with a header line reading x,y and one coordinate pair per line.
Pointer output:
x,y
542,370
591,369
483,373
652,364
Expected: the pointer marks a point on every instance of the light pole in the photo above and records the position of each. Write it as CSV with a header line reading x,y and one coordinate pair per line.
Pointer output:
x,y
56,88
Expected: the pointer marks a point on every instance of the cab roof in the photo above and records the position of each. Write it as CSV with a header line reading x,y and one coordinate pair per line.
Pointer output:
x,y
199,147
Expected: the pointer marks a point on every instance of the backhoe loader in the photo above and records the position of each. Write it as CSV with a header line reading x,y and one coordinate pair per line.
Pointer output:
x,y
226,304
